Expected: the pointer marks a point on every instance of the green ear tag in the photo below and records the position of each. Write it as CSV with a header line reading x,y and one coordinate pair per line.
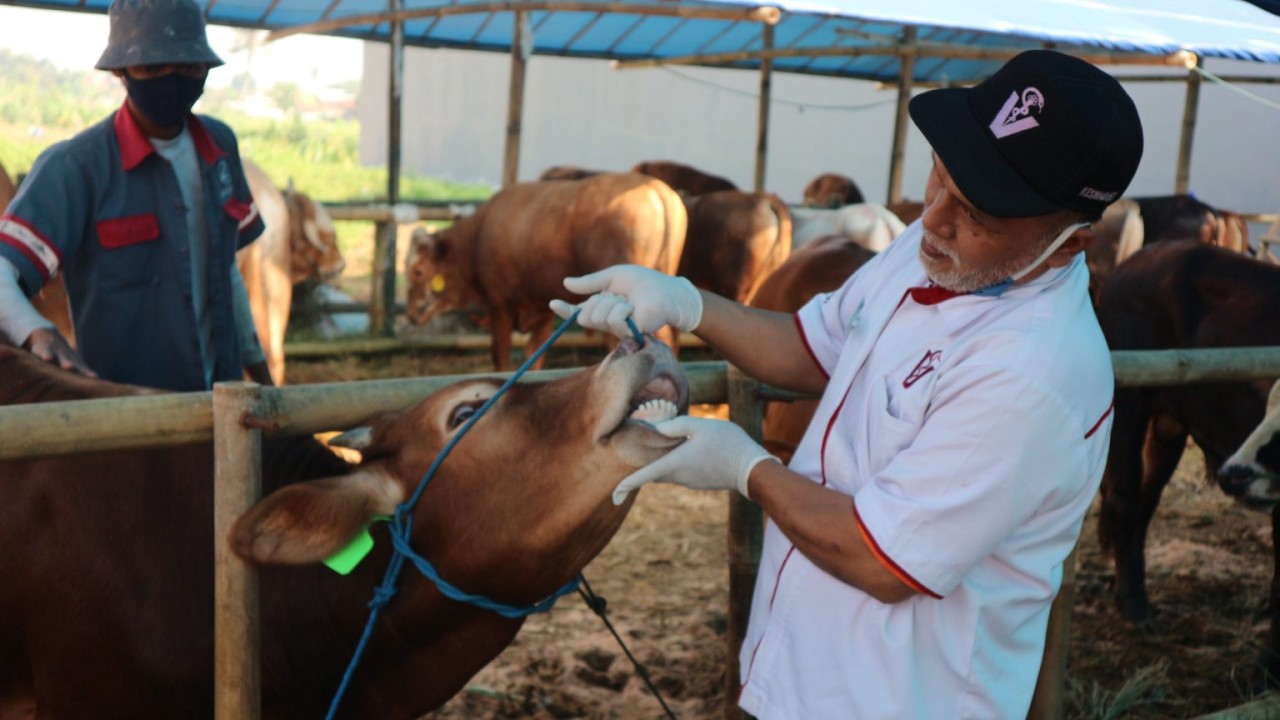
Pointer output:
x,y
346,559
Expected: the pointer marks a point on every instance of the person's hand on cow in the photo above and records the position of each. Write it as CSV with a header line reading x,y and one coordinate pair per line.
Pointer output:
x,y
49,345
716,455
650,298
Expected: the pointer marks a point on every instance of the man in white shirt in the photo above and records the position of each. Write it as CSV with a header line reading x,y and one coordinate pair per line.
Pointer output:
x,y
916,541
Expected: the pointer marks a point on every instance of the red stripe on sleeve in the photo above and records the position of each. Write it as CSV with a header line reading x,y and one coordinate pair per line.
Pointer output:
x,y
809,348
886,561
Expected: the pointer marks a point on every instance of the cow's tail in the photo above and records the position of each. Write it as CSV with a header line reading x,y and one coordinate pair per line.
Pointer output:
x,y
780,250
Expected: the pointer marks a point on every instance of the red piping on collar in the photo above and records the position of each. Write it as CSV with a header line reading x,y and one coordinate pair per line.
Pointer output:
x,y
135,147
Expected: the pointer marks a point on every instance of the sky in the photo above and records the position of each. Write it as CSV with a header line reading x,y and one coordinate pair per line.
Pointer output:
x,y
74,40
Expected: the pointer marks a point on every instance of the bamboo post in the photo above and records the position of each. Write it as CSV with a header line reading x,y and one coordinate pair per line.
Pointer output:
x,y
1050,699
383,296
1189,110
237,486
520,53
746,536
905,77
762,124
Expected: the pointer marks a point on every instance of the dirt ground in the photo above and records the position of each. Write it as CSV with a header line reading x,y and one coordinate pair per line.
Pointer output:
x,y
665,579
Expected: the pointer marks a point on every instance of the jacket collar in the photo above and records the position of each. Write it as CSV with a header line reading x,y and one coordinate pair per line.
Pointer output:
x,y
135,146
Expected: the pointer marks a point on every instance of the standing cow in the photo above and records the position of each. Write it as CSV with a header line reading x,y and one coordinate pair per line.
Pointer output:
x,y
1180,294
512,255
106,608
735,240
299,243
832,190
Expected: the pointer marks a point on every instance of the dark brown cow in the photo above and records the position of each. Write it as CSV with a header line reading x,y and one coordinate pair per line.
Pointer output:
x,y
106,609
684,179
735,240
821,266
908,211
1180,294
832,190
512,255
567,172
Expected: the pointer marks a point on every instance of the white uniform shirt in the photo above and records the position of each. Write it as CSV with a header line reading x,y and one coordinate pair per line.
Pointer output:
x,y
971,434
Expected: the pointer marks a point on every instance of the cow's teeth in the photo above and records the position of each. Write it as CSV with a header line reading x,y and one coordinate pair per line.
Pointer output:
x,y
655,411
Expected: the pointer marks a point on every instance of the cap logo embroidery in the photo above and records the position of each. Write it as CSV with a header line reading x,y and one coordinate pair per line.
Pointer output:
x,y
1089,193
1018,113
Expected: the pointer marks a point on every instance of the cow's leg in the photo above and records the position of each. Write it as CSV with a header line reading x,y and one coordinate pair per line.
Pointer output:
x,y
1128,503
538,334
501,325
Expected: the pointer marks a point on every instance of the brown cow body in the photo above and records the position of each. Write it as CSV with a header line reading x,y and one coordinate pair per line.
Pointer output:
x,y
832,190
821,266
512,255
735,240
1179,295
684,179
106,610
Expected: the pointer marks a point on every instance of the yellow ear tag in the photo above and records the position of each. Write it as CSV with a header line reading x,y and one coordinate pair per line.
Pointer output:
x,y
437,284
346,559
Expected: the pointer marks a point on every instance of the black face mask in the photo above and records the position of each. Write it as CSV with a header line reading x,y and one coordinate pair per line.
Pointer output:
x,y
165,100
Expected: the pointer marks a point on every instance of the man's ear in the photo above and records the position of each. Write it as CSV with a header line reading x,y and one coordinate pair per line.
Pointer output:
x,y
1076,243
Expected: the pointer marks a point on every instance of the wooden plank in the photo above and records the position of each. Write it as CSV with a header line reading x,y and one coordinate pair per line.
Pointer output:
x,y
237,623
471,341
1050,699
746,536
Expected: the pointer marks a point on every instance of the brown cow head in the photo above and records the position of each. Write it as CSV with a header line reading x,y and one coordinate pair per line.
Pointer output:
x,y
832,190
313,240
437,275
523,501
1252,473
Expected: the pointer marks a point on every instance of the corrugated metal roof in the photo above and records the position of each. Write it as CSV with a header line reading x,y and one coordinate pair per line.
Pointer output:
x,y
805,37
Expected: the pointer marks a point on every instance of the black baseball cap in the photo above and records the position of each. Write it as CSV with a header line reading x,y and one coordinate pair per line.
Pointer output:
x,y
1047,132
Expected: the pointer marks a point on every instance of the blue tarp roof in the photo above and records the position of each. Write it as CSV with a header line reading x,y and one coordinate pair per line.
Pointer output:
x,y
1211,28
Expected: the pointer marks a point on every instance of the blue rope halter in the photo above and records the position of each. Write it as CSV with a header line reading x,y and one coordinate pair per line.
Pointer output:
x,y
402,527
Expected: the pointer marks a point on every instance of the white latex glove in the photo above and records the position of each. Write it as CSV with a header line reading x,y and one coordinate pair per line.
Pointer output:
x,y
717,455
650,298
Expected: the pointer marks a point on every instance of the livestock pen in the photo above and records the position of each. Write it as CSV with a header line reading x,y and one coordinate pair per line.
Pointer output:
x,y
235,414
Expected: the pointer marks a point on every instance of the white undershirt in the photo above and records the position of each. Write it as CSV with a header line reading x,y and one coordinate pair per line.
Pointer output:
x,y
181,154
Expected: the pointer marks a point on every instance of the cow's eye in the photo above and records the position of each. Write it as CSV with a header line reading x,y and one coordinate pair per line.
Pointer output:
x,y
461,414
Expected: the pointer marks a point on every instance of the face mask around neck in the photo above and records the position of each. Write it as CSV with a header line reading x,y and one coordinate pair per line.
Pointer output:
x,y
165,100
996,289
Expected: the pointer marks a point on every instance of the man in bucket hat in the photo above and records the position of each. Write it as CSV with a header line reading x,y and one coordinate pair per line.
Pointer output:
x,y
144,213
918,536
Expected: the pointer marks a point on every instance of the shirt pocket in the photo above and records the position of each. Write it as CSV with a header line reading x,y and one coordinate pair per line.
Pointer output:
x,y
890,431
123,232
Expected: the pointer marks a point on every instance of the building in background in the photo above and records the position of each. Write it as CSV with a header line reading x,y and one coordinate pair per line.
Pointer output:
x,y
585,113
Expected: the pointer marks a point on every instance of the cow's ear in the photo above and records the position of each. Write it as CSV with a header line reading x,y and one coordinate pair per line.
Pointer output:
x,y
308,522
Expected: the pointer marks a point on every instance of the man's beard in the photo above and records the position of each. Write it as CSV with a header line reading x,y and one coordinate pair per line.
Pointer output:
x,y
957,278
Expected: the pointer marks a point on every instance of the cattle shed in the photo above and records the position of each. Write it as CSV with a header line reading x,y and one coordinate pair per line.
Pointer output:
x,y
907,44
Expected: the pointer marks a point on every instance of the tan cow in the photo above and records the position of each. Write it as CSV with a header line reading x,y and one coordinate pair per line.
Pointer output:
x,y
106,607
735,240
299,243
511,256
